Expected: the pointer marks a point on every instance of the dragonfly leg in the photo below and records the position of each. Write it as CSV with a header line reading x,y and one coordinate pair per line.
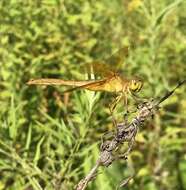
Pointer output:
x,y
112,106
126,102
127,110
113,119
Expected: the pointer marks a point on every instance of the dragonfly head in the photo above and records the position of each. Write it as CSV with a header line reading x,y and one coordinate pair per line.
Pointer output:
x,y
135,84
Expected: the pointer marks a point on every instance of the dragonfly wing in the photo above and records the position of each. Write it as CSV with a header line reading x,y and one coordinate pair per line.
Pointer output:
x,y
98,68
109,67
94,86
117,58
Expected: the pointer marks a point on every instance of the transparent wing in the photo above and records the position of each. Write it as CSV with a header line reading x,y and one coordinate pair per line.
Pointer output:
x,y
117,58
94,85
108,67
99,68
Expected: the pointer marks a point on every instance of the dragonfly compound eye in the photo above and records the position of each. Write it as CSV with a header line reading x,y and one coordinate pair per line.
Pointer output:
x,y
135,85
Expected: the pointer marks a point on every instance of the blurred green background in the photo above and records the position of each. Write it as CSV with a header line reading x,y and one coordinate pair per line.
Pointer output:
x,y
50,140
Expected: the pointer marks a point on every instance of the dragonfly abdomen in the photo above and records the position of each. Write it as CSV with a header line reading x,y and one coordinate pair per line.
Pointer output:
x,y
50,81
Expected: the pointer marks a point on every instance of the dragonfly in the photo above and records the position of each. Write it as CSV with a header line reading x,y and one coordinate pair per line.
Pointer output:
x,y
111,80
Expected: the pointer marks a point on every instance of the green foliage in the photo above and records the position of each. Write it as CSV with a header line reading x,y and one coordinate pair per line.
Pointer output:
x,y
49,140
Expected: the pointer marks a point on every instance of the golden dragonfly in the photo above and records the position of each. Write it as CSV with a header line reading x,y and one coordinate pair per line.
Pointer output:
x,y
111,81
